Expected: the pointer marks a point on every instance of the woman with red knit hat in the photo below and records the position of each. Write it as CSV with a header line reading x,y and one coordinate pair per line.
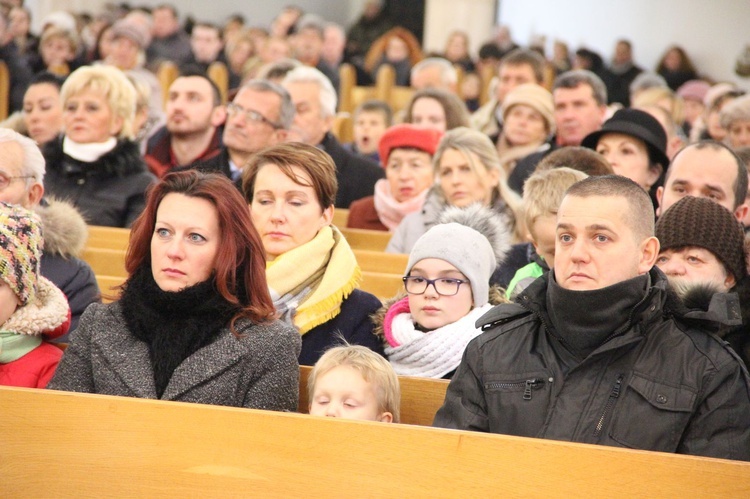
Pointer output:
x,y
406,152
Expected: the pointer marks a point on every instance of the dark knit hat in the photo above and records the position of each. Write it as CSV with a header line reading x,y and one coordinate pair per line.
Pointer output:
x,y
704,223
638,124
403,136
20,250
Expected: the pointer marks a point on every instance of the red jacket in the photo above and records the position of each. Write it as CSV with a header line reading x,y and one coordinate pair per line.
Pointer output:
x,y
33,370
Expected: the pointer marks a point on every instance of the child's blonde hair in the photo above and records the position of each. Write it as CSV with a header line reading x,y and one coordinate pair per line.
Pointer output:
x,y
374,369
544,190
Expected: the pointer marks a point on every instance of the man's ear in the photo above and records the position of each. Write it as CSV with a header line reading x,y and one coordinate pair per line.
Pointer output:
x,y
659,198
33,195
741,211
386,417
649,252
218,116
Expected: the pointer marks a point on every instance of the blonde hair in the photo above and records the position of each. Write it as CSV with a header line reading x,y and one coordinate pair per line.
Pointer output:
x,y
652,96
113,84
374,369
466,141
544,190
55,32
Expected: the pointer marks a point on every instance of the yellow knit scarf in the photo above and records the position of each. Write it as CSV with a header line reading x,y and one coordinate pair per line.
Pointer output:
x,y
321,273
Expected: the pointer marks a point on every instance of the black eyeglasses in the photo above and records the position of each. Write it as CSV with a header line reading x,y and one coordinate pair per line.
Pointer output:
x,y
6,179
444,286
250,115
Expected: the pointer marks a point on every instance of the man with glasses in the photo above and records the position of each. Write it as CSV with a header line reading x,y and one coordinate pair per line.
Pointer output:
x,y
21,182
259,116
193,129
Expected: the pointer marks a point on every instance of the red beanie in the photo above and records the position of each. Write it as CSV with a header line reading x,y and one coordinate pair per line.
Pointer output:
x,y
408,136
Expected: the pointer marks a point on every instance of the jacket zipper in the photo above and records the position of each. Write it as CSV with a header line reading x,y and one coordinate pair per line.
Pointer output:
x,y
614,394
528,385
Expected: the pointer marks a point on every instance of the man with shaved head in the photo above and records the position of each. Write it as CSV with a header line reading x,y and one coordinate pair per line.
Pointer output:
x,y
598,351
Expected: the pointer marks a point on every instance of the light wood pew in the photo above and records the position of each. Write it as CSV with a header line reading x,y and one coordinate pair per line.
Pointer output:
x,y
108,237
378,261
375,240
420,397
105,261
219,74
382,285
102,446
340,217
166,73
4,90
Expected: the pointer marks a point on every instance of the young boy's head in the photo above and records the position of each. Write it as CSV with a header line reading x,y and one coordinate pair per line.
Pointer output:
x,y
20,253
57,46
353,382
542,194
371,119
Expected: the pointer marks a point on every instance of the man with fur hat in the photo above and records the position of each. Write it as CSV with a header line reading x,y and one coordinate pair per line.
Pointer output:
x,y
32,309
21,183
599,350
702,254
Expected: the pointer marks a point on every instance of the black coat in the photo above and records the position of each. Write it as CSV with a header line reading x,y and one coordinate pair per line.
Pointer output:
x,y
664,384
352,324
110,191
356,175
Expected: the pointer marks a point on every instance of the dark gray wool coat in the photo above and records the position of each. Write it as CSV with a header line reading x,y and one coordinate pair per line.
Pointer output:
x,y
258,370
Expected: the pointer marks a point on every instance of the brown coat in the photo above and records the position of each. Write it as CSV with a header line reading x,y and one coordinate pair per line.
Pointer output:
x,y
362,215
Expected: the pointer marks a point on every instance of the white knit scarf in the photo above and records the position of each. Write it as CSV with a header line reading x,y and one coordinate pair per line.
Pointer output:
x,y
435,353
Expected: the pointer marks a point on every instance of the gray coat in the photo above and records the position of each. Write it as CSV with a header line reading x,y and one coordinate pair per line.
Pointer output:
x,y
258,371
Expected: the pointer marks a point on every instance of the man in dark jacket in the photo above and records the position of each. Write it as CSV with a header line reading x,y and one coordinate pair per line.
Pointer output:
x,y
315,102
598,351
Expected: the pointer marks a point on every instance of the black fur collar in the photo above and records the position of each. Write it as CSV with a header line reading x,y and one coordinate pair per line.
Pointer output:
x,y
175,325
123,160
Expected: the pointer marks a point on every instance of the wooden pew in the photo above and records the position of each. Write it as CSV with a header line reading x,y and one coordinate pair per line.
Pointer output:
x,y
108,237
340,217
102,446
107,286
378,261
420,397
382,285
219,74
4,90
105,261
167,73
375,240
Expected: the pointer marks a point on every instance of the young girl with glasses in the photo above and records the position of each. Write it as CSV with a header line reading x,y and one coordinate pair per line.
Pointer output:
x,y
447,286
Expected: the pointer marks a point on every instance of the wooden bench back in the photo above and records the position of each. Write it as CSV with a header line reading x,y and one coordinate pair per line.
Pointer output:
x,y
103,446
4,90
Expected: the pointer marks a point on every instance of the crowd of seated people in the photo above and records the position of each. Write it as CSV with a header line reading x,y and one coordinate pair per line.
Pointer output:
x,y
574,227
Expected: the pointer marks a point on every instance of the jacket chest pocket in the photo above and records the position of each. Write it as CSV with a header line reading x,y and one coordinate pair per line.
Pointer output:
x,y
517,403
652,415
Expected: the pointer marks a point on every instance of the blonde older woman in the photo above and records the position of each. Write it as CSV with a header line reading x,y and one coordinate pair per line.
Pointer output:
x,y
467,171
95,163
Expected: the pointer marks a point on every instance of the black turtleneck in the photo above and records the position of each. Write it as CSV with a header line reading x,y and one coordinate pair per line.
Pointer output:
x,y
175,325
585,320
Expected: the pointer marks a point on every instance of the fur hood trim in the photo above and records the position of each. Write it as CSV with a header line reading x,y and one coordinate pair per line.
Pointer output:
x,y
64,229
485,221
48,315
496,297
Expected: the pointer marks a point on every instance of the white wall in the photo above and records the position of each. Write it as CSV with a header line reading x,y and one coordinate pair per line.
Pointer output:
x,y
257,12
712,32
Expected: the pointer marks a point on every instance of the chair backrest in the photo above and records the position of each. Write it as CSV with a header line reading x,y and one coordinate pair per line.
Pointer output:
x,y
378,261
108,237
366,239
382,285
105,261
4,90
167,73
219,74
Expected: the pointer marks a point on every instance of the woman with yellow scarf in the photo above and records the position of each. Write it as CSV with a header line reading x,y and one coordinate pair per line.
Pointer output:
x,y
311,270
